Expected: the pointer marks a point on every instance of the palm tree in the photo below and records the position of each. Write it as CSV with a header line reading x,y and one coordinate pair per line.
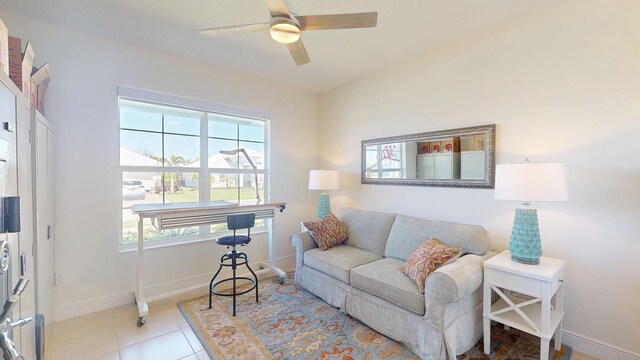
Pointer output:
x,y
171,162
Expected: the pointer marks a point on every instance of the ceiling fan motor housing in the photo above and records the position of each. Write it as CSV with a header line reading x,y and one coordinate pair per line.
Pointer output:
x,y
285,30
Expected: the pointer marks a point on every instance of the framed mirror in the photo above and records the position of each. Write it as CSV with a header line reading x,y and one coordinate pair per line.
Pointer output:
x,y
451,158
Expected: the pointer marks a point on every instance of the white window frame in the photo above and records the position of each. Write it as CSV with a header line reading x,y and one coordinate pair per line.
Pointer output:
x,y
380,158
204,233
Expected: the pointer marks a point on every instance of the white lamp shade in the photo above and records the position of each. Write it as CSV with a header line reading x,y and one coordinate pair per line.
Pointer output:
x,y
530,182
323,180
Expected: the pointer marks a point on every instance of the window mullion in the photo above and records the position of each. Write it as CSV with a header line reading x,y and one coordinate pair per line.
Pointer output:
x,y
164,161
237,171
267,163
129,168
205,188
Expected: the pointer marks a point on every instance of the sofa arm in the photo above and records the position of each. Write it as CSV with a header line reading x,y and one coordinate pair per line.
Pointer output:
x,y
452,283
302,242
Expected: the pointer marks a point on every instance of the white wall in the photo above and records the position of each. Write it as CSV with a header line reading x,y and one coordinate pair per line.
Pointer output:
x,y
563,85
82,104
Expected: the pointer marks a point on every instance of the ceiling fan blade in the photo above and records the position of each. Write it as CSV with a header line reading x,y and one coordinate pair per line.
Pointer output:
x,y
227,30
277,8
338,21
298,52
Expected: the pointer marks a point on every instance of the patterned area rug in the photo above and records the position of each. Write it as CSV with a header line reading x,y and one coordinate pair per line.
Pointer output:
x,y
289,323
513,345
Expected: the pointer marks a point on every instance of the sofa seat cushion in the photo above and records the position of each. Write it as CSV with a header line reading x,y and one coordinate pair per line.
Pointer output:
x,y
384,279
338,260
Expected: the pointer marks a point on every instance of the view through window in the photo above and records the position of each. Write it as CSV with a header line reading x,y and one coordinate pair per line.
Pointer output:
x,y
172,155
385,161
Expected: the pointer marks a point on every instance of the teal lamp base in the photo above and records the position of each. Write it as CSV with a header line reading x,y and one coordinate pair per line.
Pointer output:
x,y
324,207
525,246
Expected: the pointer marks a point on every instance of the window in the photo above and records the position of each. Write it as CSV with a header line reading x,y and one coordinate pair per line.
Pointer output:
x,y
171,154
386,161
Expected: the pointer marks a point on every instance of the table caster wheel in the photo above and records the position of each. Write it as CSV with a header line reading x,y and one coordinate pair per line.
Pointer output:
x,y
141,321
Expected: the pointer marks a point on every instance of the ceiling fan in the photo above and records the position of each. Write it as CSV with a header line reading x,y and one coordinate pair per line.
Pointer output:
x,y
285,27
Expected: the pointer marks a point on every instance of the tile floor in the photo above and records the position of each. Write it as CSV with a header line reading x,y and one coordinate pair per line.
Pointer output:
x,y
113,335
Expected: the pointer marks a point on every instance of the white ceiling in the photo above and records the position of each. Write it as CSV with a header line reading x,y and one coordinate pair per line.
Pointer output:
x,y
405,28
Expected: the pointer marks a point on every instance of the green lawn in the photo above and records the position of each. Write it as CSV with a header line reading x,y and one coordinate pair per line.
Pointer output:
x,y
191,195
130,226
185,195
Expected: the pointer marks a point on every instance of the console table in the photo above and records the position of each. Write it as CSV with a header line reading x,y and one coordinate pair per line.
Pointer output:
x,y
178,215
532,313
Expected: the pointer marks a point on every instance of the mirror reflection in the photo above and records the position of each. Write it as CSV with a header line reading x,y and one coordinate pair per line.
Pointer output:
x,y
457,157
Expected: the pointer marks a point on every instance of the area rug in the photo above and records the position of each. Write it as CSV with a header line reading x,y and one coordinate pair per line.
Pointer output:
x,y
513,344
290,323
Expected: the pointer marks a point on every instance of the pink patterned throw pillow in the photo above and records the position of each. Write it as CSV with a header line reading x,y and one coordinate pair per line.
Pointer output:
x,y
327,232
426,258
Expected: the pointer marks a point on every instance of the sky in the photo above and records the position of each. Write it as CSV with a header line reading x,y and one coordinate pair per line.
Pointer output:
x,y
141,127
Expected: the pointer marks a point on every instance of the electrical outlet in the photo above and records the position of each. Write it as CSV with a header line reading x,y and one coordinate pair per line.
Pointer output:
x,y
59,280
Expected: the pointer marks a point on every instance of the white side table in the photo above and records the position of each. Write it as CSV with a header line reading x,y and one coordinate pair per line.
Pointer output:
x,y
533,313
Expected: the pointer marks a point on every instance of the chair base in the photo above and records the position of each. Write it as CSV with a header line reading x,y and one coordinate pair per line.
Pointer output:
x,y
231,259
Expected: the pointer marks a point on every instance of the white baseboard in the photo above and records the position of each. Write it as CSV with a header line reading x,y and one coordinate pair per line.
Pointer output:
x,y
154,292
90,306
596,348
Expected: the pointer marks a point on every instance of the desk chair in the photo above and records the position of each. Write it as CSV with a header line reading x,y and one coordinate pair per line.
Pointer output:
x,y
235,258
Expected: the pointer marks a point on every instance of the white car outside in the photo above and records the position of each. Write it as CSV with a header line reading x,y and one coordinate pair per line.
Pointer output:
x,y
133,189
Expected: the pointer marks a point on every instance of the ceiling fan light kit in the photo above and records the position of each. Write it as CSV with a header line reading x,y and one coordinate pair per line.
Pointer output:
x,y
286,27
285,30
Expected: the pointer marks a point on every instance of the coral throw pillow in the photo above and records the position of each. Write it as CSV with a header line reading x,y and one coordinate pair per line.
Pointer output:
x,y
327,232
426,258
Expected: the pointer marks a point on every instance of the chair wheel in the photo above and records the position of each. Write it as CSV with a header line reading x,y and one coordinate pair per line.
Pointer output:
x,y
281,281
141,321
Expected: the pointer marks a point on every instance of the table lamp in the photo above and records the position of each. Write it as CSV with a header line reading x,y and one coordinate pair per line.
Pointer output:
x,y
253,166
323,180
529,182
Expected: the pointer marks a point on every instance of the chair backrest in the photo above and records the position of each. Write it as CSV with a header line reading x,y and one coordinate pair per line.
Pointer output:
x,y
242,221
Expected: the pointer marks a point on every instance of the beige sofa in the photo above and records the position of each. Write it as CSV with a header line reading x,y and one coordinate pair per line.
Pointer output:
x,y
363,278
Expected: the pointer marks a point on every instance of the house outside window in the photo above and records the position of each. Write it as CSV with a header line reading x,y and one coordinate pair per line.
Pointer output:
x,y
171,154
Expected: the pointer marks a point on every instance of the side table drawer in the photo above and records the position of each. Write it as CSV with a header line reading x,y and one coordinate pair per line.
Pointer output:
x,y
517,283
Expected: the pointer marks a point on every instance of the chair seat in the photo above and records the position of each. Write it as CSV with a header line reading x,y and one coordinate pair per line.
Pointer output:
x,y
233,240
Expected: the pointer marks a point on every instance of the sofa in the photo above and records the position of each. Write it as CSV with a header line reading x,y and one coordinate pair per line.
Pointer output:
x,y
363,277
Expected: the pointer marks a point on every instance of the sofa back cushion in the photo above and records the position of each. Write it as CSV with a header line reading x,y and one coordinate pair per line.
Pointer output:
x,y
409,232
367,230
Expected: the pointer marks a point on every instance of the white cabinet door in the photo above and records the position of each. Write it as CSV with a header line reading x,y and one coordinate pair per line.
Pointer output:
x,y
25,191
444,166
439,166
472,164
45,270
426,167
447,165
